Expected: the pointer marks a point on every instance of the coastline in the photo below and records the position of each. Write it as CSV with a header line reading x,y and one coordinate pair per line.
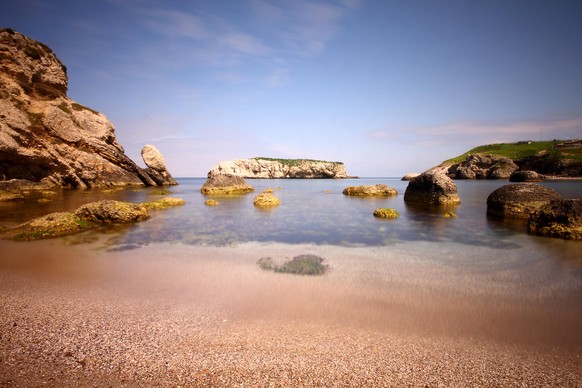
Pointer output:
x,y
173,314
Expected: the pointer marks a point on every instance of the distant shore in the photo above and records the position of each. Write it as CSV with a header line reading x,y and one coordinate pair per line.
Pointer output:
x,y
174,315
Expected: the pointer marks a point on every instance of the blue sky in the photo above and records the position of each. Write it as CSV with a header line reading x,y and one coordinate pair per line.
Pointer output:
x,y
388,87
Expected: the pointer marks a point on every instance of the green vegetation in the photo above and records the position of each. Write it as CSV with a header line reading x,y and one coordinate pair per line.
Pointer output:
x,y
523,150
299,265
63,106
294,162
79,107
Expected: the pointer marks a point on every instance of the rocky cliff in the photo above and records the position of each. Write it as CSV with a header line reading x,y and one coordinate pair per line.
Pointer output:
x,y
45,136
265,168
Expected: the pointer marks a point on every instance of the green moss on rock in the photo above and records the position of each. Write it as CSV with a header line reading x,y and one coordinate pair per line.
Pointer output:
x,y
386,213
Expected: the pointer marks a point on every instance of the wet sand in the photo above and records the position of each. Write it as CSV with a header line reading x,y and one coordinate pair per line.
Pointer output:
x,y
204,316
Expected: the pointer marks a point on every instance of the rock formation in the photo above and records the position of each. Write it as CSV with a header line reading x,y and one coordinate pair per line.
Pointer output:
x,y
379,190
386,213
266,199
481,166
410,176
45,136
432,188
526,176
225,185
88,216
266,168
519,200
156,163
560,218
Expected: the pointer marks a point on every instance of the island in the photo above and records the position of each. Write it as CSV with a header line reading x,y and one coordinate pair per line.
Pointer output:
x,y
271,168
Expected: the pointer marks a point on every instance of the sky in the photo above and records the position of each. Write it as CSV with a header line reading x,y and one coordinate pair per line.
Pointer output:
x,y
387,87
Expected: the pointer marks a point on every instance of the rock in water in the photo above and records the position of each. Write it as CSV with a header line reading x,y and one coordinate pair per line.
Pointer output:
x,y
226,185
432,188
379,190
526,176
47,137
560,218
266,199
156,163
519,200
112,212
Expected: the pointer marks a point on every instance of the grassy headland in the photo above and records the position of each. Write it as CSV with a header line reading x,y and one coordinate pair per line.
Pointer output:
x,y
521,151
294,162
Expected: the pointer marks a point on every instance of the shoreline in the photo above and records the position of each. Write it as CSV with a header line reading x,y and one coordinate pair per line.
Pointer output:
x,y
173,314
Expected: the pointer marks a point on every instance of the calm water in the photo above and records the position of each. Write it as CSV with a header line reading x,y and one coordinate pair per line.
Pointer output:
x,y
311,212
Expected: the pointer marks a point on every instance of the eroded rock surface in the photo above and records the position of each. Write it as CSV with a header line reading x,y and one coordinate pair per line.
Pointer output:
x,y
156,163
47,137
480,166
379,190
519,200
226,185
280,168
561,218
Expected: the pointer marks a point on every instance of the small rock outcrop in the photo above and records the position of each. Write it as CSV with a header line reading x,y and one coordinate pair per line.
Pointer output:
x,y
410,176
560,218
266,199
432,188
47,138
526,176
226,185
386,213
156,163
267,168
379,190
519,200
480,166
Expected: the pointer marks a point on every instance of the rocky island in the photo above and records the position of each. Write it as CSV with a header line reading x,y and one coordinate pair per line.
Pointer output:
x,y
269,168
499,161
49,140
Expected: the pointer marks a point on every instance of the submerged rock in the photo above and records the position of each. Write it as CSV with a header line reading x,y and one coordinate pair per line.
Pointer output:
x,y
211,202
526,176
6,196
432,188
299,265
386,213
519,200
163,203
379,190
560,218
226,185
266,199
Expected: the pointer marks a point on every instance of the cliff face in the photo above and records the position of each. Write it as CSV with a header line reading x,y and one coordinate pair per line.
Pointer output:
x,y
280,168
45,136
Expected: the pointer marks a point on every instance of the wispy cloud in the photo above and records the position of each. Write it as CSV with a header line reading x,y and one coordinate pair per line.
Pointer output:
x,y
481,132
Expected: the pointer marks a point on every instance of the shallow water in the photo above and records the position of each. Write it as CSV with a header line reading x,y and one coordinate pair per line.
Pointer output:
x,y
421,272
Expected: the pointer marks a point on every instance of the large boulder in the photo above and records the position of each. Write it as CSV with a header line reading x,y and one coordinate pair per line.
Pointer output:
x,y
482,166
156,163
432,188
379,190
526,176
519,200
410,176
112,212
560,218
47,137
226,185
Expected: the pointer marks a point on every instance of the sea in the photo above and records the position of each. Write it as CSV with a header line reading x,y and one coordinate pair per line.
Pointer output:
x,y
466,272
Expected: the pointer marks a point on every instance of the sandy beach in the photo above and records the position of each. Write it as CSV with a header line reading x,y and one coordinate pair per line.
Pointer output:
x,y
180,315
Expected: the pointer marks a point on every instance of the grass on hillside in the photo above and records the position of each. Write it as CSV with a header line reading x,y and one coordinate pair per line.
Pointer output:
x,y
294,162
521,151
